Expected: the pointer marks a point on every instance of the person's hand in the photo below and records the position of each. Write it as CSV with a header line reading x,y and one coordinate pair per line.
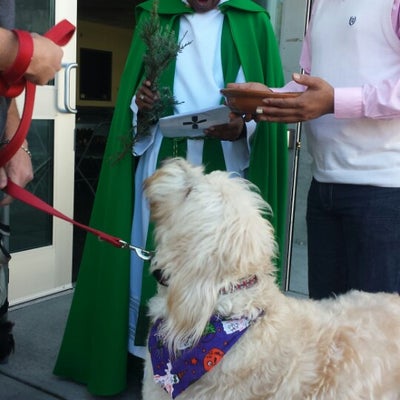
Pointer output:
x,y
317,100
18,169
145,98
231,131
249,86
46,60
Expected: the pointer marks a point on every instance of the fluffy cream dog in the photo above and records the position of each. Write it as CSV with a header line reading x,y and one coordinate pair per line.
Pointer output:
x,y
215,255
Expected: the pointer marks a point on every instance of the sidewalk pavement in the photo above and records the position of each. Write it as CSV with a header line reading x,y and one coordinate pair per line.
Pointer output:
x,y
38,330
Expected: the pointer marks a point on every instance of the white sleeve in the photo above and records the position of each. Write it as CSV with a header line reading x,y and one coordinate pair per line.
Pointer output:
x,y
142,144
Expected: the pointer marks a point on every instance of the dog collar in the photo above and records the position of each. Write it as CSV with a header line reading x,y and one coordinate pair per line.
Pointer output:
x,y
244,283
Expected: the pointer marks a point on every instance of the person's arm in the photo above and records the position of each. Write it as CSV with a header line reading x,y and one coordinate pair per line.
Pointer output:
x,y
142,100
378,101
8,48
19,168
368,101
45,62
46,58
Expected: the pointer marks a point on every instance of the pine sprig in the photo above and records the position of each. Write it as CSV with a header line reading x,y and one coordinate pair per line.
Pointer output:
x,y
161,49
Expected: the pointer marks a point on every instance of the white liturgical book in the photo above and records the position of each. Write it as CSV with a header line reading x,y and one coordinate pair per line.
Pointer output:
x,y
192,124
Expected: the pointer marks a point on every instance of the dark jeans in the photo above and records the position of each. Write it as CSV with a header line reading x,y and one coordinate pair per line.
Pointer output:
x,y
353,239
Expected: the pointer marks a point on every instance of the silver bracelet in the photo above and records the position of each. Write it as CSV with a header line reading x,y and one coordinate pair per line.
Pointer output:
x,y
26,150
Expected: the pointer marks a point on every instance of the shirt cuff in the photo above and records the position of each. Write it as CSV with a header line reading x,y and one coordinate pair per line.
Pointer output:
x,y
291,86
348,102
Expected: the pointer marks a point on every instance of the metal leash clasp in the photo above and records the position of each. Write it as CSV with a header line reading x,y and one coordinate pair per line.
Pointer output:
x,y
145,255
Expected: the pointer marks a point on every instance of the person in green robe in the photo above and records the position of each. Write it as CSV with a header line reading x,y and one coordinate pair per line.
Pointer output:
x,y
229,41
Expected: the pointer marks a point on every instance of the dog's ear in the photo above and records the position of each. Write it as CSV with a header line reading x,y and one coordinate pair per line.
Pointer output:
x,y
191,299
170,185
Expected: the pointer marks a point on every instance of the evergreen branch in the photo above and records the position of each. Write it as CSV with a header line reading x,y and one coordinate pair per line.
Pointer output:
x,y
161,49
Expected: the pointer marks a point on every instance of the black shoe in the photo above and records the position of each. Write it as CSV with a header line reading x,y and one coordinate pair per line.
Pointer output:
x,y
6,341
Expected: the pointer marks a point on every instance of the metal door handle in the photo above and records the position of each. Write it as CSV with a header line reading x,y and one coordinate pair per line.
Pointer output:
x,y
67,83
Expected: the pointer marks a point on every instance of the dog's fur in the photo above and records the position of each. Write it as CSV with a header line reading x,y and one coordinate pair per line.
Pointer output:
x,y
210,233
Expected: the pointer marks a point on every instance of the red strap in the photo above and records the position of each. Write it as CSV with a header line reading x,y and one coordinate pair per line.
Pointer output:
x,y
60,34
23,59
23,195
12,78
8,150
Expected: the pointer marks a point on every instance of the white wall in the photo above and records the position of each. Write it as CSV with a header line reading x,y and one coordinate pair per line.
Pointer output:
x,y
103,37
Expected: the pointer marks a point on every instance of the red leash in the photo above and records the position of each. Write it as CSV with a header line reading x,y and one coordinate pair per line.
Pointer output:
x,y
12,83
19,193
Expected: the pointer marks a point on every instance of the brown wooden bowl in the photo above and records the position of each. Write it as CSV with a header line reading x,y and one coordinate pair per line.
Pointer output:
x,y
244,101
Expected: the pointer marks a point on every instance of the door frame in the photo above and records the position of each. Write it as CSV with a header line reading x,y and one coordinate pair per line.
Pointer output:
x,y
47,270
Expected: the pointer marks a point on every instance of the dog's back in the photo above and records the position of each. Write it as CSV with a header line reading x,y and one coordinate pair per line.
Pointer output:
x,y
215,251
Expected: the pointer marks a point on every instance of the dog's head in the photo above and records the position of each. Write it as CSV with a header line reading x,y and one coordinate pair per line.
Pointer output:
x,y
210,233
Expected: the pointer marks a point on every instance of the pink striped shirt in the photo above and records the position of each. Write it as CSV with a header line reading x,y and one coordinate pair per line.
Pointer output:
x,y
369,101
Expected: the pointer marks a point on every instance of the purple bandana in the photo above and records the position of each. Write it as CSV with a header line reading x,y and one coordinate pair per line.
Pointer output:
x,y
174,375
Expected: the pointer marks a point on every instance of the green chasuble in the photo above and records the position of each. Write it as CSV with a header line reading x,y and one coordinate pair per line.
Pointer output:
x,y
94,346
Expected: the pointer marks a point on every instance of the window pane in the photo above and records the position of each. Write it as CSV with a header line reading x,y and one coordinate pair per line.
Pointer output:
x,y
34,15
31,228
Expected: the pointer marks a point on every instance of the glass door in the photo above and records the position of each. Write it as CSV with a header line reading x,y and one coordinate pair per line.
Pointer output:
x,y
296,278
289,18
41,246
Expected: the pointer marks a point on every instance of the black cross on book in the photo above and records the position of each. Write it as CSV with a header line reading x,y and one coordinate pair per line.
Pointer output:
x,y
195,122
192,124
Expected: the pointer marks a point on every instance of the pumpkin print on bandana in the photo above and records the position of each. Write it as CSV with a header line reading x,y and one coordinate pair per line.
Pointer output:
x,y
175,374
